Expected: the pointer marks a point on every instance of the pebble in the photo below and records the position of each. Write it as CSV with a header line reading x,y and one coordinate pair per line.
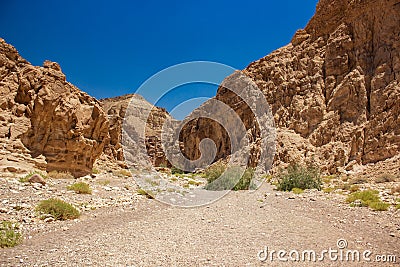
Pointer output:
x,y
3,210
48,220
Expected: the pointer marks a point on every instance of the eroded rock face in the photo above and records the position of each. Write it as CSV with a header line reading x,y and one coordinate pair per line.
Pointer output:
x,y
116,109
45,120
336,86
334,90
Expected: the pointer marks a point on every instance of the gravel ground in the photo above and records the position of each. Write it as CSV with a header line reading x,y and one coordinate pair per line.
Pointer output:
x,y
229,232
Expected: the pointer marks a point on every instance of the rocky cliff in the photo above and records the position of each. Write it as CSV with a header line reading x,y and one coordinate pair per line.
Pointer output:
x,y
46,122
334,90
116,110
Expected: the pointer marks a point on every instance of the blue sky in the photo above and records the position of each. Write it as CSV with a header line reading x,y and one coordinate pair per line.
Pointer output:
x,y
109,48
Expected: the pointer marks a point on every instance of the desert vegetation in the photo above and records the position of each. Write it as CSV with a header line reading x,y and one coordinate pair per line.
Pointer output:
x,y
219,177
367,198
297,176
58,209
80,188
10,234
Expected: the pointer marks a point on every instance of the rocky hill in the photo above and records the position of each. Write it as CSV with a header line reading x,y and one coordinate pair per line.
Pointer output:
x,y
334,90
46,122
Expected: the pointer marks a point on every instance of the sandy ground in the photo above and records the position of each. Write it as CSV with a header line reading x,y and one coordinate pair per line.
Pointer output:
x,y
229,232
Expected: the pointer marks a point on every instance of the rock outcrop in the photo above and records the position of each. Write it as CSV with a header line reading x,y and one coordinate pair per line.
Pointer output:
x,y
116,110
46,122
334,90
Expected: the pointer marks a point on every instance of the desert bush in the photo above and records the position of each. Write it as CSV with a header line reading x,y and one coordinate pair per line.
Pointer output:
x,y
328,179
143,192
328,189
385,178
297,191
9,234
60,175
80,188
379,206
297,176
59,209
194,182
368,198
175,170
25,178
214,171
95,171
232,179
268,178
354,188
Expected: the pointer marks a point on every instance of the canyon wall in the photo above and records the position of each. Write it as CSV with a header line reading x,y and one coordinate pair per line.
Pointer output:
x,y
46,122
334,90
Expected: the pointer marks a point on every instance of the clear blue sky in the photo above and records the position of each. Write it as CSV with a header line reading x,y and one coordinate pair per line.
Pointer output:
x,y
109,48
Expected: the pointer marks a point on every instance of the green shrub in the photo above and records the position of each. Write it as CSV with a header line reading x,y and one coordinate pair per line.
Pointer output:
x,y
297,176
25,178
268,178
80,188
193,182
175,170
143,192
214,171
297,191
379,206
397,207
354,188
231,179
366,197
328,189
95,171
328,179
59,209
9,234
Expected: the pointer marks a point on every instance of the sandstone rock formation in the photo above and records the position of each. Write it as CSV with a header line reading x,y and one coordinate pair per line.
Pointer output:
x,y
238,127
334,90
116,109
336,86
46,122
